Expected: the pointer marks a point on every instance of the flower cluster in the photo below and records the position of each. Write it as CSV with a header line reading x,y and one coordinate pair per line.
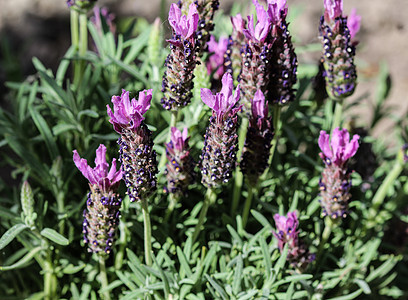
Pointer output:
x,y
136,146
221,140
180,166
102,214
338,50
335,182
287,233
258,140
177,82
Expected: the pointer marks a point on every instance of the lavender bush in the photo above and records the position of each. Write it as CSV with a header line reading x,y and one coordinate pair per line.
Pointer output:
x,y
241,175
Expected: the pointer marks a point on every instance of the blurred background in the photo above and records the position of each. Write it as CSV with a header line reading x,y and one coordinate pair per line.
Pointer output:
x,y
41,28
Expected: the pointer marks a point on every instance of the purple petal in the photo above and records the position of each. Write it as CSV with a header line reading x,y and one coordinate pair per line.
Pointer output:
x,y
82,165
185,134
208,98
353,23
192,19
324,144
238,23
333,8
338,142
258,105
351,148
174,16
113,175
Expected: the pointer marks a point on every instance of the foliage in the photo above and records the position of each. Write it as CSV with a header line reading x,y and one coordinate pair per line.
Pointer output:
x,y
51,114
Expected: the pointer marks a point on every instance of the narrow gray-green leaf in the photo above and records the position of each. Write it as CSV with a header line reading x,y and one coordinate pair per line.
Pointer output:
x,y
54,236
10,234
184,267
22,262
236,284
217,287
45,131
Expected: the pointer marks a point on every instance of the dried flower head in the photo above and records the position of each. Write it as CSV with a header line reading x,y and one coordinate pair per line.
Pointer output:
x,y
102,214
136,146
335,182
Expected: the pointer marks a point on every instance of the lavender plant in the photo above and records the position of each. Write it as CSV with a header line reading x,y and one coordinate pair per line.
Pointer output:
x,y
199,249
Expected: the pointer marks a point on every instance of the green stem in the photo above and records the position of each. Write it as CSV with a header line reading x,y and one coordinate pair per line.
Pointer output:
x,y
239,177
247,206
147,233
49,280
82,46
103,277
170,208
209,198
338,111
328,221
75,41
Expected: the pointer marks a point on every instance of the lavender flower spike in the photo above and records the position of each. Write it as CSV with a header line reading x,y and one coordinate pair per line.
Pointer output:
x,y
284,62
232,58
177,82
136,146
335,182
220,145
180,168
255,154
102,214
338,51
287,233
256,57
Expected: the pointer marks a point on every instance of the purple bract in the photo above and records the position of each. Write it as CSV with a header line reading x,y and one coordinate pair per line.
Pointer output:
x,y
353,23
277,10
224,101
178,139
181,24
100,175
260,31
216,60
286,229
238,23
129,114
340,148
333,9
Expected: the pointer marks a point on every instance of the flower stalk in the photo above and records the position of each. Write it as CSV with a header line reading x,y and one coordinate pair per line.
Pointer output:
x,y
103,278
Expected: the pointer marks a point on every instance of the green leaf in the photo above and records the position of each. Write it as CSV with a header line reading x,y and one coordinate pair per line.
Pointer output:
x,y
54,236
89,113
236,284
363,285
261,219
132,71
184,267
266,256
349,296
163,276
10,234
22,262
45,131
217,287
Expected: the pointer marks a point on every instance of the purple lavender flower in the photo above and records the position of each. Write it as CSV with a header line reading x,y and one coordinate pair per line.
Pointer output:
x,y
353,23
335,182
177,82
287,233
136,146
102,214
220,145
258,140
206,10
182,25
256,56
283,58
216,61
338,51
260,30
180,168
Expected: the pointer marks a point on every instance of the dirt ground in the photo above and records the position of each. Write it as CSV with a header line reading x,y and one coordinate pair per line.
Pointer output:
x,y
40,28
